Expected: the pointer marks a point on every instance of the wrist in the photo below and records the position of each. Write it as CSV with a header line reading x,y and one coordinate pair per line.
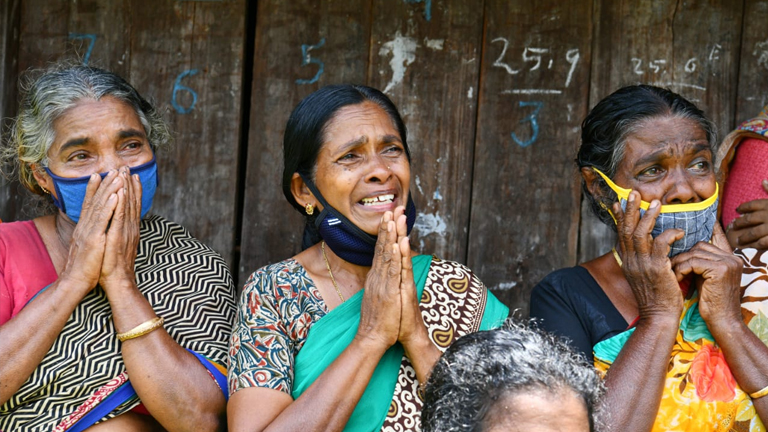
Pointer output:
x,y
726,327
370,345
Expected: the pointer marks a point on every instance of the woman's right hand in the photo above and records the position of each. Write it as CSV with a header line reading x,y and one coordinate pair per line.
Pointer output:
x,y
646,264
86,250
380,310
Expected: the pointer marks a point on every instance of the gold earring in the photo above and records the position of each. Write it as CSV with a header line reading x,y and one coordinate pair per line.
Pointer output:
x,y
45,190
310,209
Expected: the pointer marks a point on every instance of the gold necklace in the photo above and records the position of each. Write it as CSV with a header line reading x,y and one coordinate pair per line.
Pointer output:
x,y
618,258
328,266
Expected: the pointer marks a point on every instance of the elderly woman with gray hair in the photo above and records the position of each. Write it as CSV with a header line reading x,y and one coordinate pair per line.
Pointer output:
x,y
515,378
109,318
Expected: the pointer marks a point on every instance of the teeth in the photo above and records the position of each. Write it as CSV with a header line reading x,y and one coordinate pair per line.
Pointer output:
x,y
378,200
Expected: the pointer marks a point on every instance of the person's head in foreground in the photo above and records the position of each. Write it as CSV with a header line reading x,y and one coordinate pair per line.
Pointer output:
x,y
515,378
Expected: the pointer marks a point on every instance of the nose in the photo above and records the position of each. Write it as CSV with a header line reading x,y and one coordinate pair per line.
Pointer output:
x,y
379,170
109,162
680,190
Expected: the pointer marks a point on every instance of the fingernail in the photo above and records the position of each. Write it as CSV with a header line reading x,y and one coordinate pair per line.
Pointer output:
x,y
93,176
654,204
136,177
631,197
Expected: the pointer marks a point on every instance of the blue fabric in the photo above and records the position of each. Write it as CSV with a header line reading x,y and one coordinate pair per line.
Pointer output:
x,y
346,239
114,400
71,191
221,379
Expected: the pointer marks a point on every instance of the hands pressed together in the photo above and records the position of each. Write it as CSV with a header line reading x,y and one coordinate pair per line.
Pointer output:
x,y
390,308
654,276
105,240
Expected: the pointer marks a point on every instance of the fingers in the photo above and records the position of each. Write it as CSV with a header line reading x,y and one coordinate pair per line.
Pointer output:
x,y
401,224
663,242
642,234
720,240
381,240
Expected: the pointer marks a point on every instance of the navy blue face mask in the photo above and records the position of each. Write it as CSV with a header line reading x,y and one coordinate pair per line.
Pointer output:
x,y
71,191
346,239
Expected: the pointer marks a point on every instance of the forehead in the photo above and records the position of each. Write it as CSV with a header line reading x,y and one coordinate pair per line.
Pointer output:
x,y
366,117
674,136
91,118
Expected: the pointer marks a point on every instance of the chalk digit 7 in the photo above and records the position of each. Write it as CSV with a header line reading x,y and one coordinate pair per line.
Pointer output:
x,y
91,42
306,59
177,86
534,124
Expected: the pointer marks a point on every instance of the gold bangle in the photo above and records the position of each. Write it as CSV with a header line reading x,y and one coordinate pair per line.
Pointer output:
x,y
760,393
141,329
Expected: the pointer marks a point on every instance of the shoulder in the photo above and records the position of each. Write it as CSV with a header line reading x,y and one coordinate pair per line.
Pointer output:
x,y
14,230
569,280
281,279
161,236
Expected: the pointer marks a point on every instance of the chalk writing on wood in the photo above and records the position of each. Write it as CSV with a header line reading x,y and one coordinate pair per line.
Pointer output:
x,y
542,59
532,118
91,42
177,87
306,59
427,7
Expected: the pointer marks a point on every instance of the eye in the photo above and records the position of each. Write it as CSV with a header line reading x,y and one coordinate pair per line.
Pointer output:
x,y
650,172
347,157
701,166
77,157
396,150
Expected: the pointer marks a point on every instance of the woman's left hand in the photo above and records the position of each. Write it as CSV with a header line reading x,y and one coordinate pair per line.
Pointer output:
x,y
750,229
123,236
412,328
720,297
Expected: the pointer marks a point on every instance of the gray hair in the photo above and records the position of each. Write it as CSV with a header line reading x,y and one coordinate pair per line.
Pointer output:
x,y
48,94
484,367
605,130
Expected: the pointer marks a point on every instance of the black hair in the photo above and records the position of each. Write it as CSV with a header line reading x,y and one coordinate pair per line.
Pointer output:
x,y
305,133
606,127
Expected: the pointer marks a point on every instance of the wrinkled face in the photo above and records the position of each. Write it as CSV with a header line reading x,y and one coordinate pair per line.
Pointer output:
x,y
540,411
362,169
668,159
95,137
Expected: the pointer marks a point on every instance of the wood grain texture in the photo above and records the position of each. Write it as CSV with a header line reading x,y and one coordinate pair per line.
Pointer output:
x,y
753,64
150,44
188,57
426,58
642,41
272,229
525,197
10,13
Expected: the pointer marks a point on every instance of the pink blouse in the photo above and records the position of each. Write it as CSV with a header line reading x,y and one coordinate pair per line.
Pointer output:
x,y
25,266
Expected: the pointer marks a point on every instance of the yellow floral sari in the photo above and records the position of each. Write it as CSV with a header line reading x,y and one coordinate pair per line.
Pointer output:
x,y
700,392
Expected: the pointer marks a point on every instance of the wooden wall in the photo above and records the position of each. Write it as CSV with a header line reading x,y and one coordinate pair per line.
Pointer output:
x,y
493,93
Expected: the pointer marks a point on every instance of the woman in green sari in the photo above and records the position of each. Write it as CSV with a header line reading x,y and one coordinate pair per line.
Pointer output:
x,y
340,336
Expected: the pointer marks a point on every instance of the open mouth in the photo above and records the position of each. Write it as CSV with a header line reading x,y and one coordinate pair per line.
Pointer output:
x,y
378,200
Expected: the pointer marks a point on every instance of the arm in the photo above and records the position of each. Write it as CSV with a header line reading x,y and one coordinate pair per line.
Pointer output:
x,y
22,350
720,307
176,389
328,403
635,381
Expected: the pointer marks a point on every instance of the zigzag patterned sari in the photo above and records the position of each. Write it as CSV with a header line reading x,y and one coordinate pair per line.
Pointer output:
x,y
82,380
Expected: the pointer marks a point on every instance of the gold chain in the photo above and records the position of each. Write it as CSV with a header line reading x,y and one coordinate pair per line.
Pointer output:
x,y
328,266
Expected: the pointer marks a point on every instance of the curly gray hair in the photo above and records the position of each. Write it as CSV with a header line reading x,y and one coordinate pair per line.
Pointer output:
x,y
48,94
485,367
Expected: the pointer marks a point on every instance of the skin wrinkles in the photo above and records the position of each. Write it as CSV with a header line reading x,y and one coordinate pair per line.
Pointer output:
x,y
94,137
362,157
668,159
544,411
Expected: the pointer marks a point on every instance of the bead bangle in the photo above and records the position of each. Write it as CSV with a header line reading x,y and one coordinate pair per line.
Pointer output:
x,y
141,329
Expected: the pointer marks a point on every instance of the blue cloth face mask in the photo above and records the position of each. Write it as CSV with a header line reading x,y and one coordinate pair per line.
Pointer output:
x,y
346,239
697,220
71,191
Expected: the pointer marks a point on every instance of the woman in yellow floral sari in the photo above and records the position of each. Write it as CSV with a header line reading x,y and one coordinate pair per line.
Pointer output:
x,y
661,314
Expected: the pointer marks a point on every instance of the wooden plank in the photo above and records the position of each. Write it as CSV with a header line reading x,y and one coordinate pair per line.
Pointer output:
x,y
753,67
10,12
152,45
334,35
640,41
188,56
426,57
525,196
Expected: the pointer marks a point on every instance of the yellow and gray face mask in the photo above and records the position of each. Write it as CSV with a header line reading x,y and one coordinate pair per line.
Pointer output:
x,y
697,220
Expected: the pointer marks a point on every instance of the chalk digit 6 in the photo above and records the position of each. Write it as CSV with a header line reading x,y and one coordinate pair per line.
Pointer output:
x,y
91,42
178,86
306,59
534,124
